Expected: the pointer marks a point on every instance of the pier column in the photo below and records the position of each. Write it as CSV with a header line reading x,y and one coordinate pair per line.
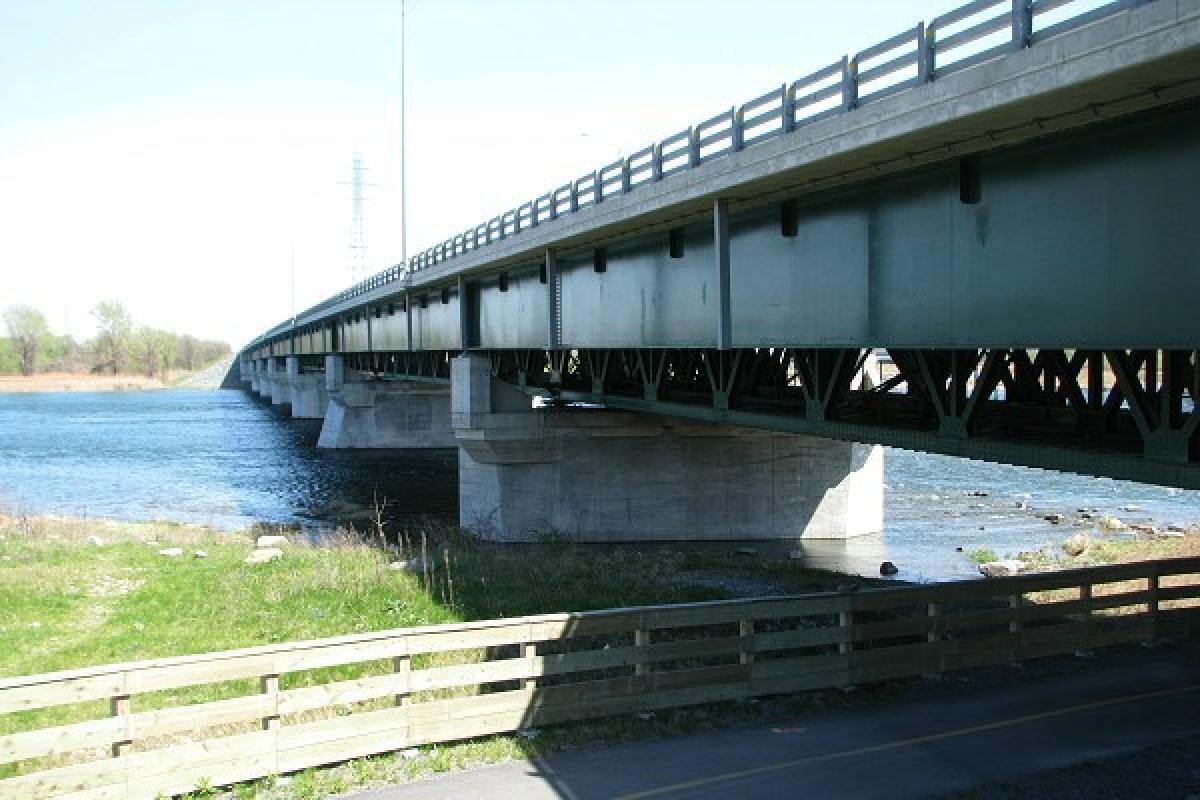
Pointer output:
x,y
310,399
251,373
264,378
367,413
597,475
281,392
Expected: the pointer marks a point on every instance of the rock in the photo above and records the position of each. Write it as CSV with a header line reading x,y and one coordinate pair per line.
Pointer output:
x,y
888,568
152,542
262,555
1168,534
171,552
414,565
1054,519
1173,528
95,541
410,754
1145,530
529,733
1111,523
1001,569
199,554
271,541
1076,545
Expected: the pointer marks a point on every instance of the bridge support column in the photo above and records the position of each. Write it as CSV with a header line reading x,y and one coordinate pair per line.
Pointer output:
x,y
281,392
251,373
264,378
384,414
309,396
596,475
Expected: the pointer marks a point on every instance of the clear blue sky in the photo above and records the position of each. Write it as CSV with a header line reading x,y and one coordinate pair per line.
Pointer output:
x,y
181,155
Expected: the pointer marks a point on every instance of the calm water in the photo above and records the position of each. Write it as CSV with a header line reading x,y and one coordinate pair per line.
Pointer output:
x,y
226,459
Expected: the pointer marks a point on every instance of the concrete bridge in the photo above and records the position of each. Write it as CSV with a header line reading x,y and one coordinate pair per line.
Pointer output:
x,y
1003,201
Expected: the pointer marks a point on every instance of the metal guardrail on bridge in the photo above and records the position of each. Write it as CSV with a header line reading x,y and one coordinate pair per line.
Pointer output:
x,y
976,32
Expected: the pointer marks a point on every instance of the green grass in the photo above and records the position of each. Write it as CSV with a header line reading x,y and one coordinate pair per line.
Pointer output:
x,y
982,555
66,603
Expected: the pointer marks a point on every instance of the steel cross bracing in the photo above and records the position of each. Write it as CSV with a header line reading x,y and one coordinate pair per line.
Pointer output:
x,y
1121,413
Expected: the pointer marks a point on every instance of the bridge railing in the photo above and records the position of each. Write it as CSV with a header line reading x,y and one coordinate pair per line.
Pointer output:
x,y
136,730
965,37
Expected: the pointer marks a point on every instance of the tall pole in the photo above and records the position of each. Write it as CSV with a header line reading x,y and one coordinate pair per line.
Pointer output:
x,y
403,148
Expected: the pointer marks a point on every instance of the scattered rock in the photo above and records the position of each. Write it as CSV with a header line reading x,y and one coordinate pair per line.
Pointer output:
x,y
95,541
410,754
264,554
1145,530
1076,545
1053,519
199,554
35,624
529,733
1111,523
1169,534
887,568
271,541
414,565
171,552
152,542
1173,528
1001,569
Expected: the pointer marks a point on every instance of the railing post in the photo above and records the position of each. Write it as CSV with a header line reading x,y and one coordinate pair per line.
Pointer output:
x,y
849,83
1022,24
119,706
926,53
626,178
934,636
693,147
656,162
737,129
574,196
529,651
1152,586
402,668
1085,599
746,631
1015,626
845,641
597,189
788,99
269,685
641,638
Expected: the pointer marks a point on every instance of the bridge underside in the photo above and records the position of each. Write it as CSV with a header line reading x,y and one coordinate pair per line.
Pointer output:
x,y
1126,414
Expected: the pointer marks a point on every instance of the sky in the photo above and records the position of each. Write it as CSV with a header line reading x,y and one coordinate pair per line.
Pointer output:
x,y
192,158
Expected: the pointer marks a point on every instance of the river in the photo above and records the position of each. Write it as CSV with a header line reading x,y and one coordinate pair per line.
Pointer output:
x,y
227,460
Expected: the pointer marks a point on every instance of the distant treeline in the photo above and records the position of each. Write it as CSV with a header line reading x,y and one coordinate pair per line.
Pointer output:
x,y
117,347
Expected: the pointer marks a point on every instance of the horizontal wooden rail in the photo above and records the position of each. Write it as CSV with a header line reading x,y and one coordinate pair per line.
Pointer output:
x,y
304,704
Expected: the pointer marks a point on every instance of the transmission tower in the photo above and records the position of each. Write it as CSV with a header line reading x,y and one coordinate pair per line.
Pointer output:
x,y
358,233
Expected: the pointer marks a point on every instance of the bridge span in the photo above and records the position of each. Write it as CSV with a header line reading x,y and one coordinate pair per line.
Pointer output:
x,y
1001,202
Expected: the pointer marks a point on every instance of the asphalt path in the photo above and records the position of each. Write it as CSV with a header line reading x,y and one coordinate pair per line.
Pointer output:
x,y
944,740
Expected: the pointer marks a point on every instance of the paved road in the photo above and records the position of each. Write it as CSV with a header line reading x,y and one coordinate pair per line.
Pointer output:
x,y
944,740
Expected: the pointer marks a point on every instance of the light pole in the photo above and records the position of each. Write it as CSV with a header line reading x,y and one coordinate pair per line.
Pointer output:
x,y
403,148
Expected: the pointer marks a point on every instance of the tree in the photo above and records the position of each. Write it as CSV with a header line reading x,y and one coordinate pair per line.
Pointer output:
x,y
114,338
29,332
156,351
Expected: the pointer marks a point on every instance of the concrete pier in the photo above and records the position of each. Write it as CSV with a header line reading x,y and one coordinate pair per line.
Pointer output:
x,y
596,475
281,392
383,414
310,398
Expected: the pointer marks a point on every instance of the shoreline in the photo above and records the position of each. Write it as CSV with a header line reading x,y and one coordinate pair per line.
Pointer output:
x,y
70,382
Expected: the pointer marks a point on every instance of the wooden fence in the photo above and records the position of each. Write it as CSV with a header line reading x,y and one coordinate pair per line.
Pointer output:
x,y
166,725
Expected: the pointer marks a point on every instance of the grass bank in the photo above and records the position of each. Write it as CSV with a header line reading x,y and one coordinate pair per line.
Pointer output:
x,y
83,592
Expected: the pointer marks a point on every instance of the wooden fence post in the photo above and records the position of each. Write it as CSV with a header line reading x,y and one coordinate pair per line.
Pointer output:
x,y
119,706
746,631
269,685
1015,602
934,637
529,651
1152,586
402,667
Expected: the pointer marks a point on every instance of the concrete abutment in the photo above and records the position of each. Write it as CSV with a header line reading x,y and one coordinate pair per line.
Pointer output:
x,y
363,413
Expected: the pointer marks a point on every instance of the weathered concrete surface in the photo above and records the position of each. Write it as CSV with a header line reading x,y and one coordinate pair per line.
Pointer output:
x,y
310,399
598,475
281,392
380,414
